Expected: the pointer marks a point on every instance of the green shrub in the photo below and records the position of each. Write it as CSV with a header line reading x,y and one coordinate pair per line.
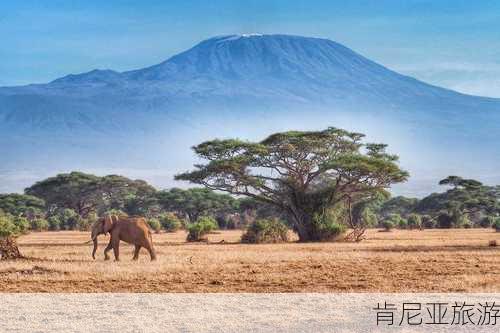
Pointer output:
x,y
326,228
22,224
266,231
39,224
414,221
487,222
7,227
154,224
388,225
170,222
398,221
54,223
198,230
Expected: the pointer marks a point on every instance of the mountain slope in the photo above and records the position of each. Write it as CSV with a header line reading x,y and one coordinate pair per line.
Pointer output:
x,y
228,85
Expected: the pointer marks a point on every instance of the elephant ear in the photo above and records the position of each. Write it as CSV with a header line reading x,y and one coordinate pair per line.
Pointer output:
x,y
108,223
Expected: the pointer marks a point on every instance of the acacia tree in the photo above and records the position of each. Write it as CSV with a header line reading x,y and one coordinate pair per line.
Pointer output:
x,y
86,193
22,205
469,196
75,190
304,173
466,198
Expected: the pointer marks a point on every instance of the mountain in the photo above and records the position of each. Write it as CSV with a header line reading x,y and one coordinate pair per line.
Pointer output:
x,y
142,122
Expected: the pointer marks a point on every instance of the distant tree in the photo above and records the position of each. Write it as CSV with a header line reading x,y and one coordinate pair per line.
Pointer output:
x,y
444,221
68,218
487,221
54,222
196,202
22,205
75,190
397,221
251,209
398,205
428,222
364,211
135,197
39,224
466,198
301,173
170,222
86,193
414,221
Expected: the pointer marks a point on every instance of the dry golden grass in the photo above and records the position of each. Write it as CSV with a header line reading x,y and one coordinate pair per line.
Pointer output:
x,y
398,261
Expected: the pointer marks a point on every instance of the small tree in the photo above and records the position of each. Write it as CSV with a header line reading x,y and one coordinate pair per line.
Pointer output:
x,y
198,230
8,233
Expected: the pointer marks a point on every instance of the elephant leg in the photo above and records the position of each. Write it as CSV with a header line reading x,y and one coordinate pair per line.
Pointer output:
x,y
107,249
116,248
136,252
151,250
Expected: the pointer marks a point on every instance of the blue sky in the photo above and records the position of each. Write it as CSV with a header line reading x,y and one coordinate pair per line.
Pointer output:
x,y
454,44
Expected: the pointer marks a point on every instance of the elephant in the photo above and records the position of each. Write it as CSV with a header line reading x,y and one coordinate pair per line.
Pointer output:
x,y
132,230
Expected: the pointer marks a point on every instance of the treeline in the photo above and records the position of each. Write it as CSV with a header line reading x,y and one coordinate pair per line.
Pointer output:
x,y
74,201
467,203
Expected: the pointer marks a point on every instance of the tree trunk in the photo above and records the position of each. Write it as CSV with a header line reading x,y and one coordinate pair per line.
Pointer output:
x,y
9,249
304,227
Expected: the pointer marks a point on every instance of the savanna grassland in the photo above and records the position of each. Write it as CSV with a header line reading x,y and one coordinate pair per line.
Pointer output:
x,y
456,260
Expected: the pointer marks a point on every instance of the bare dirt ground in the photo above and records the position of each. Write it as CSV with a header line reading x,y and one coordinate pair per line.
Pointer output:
x,y
398,261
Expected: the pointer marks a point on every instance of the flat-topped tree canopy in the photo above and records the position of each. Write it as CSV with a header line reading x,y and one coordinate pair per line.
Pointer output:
x,y
301,172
